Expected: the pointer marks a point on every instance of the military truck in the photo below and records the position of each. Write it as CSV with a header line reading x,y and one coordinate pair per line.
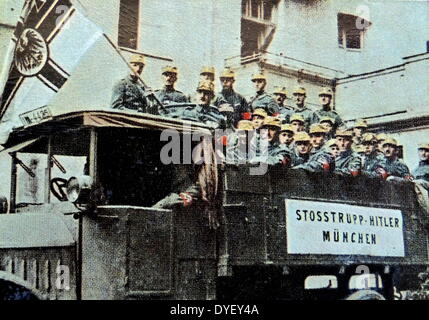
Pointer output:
x,y
284,234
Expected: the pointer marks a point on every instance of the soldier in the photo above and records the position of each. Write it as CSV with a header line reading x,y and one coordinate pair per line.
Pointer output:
x,y
317,138
286,135
169,94
207,74
280,95
264,142
236,151
300,94
297,123
358,130
371,158
328,124
229,102
348,162
325,99
380,140
258,118
129,93
301,151
422,170
324,160
203,111
391,165
262,99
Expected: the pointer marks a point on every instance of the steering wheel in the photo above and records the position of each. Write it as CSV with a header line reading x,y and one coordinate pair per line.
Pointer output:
x,y
57,186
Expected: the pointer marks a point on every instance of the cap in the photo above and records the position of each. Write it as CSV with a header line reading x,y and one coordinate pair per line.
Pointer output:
x,y
259,76
286,127
169,69
260,112
300,90
137,58
326,91
227,73
272,121
206,85
280,90
382,136
368,137
391,141
208,69
361,124
296,117
424,146
343,133
327,119
244,125
301,137
331,142
317,128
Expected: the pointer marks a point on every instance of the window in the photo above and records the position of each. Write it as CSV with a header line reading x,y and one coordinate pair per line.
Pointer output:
x,y
351,31
128,23
257,29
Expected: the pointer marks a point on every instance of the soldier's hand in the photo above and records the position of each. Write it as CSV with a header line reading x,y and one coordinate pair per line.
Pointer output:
x,y
148,92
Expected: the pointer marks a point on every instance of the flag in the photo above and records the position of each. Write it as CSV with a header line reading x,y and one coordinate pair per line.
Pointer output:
x,y
53,40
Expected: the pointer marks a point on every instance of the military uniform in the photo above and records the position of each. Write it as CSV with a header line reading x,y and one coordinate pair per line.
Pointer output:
x,y
168,96
321,161
236,101
236,151
422,171
319,114
306,114
285,113
371,163
264,101
395,167
280,153
348,163
201,113
130,94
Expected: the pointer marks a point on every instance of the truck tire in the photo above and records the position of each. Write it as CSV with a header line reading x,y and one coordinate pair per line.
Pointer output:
x,y
365,295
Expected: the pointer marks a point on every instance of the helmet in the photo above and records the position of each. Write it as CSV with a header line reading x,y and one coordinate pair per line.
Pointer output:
x,y
302,137
299,90
260,112
280,90
208,69
227,73
206,85
245,125
391,141
326,91
361,124
259,76
331,142
169,69
297,117
137,58
327,119
382,136
317,128
369,137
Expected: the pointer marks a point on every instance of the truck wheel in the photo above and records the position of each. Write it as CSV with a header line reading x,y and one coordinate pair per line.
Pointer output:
x,y
365,295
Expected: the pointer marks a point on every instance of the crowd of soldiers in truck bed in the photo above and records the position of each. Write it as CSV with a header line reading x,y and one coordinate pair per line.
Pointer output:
x,y
265,129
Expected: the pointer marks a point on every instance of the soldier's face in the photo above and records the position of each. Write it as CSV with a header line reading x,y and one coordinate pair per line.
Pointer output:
x,y
137,68
286,137
317,139
369,147
334,150
299,98
280,98
358,132
169,78
380,145
272,132
207,76
260,84
325,100
424,154
327,125
257,121
303,147
344,143
389,150
297,126
204,97
227,83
